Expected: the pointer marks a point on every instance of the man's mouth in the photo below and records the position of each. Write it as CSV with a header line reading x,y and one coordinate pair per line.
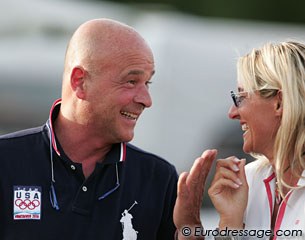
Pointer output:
x,y
130,115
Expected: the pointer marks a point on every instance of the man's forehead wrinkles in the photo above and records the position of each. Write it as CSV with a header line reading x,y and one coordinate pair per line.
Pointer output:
x,y
139,72
135,72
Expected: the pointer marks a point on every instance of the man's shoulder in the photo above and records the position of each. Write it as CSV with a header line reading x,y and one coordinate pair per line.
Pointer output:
x,y
132,149
20,136
21,146
147,157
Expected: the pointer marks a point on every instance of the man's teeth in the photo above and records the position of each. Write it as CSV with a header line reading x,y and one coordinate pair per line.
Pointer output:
x,y
244,127
129,115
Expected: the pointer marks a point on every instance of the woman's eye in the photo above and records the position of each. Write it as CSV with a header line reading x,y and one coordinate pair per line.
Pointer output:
x,y
241,98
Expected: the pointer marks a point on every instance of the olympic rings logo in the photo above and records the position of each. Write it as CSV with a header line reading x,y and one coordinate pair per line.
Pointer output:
x,y
27,204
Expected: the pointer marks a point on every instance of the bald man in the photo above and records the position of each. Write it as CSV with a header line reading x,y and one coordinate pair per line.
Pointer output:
x,y
77,177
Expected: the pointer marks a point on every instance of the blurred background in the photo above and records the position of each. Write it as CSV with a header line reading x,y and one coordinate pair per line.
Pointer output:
x,y
196,45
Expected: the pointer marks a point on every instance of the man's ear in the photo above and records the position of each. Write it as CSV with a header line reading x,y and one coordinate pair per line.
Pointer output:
x,y
279,104
77,81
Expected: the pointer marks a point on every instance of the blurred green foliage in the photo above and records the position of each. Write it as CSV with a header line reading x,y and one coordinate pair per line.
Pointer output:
x,y
291,11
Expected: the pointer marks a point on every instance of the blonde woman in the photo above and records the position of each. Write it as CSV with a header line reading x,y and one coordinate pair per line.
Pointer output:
x,y
266,198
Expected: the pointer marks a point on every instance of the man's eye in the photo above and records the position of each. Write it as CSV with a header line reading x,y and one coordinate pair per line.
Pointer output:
x,y
148,83
133,82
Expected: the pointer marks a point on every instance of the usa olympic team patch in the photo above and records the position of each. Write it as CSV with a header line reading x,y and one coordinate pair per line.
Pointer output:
x,y
27,203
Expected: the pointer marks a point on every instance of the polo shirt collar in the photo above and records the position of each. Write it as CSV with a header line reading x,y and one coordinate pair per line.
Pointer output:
x,y
116,154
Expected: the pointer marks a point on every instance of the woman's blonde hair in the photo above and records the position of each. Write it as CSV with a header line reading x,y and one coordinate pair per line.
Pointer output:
x,y
273,68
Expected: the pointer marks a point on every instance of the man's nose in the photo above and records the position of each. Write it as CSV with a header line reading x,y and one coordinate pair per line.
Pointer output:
x,y
143,97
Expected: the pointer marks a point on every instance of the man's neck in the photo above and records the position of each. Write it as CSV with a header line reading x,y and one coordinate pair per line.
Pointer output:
x,y
80,144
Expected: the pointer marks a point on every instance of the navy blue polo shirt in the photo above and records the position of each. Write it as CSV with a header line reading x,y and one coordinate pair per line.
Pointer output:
x,y
44,194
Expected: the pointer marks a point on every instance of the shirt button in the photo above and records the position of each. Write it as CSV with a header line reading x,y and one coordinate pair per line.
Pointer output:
x,y
84,188
73,167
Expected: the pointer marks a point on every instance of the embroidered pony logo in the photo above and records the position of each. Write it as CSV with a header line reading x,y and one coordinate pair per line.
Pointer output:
x,y
128,232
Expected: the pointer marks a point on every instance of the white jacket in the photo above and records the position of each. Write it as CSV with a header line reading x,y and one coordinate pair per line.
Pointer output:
x,y
290,221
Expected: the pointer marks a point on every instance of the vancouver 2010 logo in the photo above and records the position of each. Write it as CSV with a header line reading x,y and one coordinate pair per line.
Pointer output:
x,y
27,202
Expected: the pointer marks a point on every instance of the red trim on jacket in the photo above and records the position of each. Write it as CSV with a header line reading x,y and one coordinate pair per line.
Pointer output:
x,y
269,193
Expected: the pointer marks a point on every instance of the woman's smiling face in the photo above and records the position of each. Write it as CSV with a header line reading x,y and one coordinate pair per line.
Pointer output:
x,y
259,120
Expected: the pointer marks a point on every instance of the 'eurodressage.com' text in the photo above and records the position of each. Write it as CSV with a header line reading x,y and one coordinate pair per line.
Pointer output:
x,y
198,231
